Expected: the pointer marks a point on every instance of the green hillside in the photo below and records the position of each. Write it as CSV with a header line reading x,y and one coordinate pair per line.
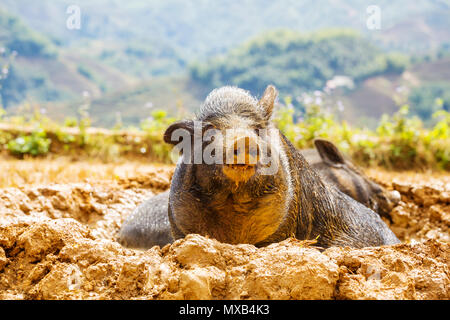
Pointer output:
x,y
175,95
15,35
204,28
37,70
16,81
168,53
297,62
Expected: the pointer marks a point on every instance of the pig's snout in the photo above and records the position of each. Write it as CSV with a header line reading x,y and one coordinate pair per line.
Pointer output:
x,y
242,156
243,151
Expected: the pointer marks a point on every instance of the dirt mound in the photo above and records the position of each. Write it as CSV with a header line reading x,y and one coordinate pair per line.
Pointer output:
x,y
60,259
99,207
57,241
424,212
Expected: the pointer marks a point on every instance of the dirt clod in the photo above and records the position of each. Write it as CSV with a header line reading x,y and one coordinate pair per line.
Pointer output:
x,y
58,242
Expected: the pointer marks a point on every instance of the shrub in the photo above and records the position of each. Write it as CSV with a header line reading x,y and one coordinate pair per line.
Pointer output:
x,y
400,141
35,144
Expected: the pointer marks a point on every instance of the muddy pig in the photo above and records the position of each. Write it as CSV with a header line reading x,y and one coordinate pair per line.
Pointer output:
x,y
238,202
338,170
149,224
265,191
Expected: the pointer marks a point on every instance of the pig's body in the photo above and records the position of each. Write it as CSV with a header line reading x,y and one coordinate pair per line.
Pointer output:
x,y
149,224
337,170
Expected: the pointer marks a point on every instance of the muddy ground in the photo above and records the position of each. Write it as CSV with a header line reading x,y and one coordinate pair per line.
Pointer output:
x,y
57,241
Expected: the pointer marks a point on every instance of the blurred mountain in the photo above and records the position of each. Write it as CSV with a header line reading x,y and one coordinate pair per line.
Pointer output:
x,y
135,53
205,27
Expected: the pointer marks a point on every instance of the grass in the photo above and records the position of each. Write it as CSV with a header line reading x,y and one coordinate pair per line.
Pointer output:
x,y
43,171
61,169
399,142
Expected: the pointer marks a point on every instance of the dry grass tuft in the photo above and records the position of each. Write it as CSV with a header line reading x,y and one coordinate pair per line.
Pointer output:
x,y
15,173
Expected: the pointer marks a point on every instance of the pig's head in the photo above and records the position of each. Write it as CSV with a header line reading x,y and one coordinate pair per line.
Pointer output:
x,y
352,181
237,164
232,138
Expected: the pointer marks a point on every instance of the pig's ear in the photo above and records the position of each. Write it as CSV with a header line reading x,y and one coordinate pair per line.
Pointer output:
x,y
329,152
186,128
268,99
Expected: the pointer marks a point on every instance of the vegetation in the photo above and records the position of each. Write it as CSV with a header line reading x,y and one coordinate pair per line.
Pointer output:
x,y
120,67
297,62
36,135
399,142
34,144
427,99
126,72
163,37
17,81
181,25
16,36
21,83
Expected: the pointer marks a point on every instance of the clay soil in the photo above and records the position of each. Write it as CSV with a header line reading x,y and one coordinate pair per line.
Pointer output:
x,y
58,225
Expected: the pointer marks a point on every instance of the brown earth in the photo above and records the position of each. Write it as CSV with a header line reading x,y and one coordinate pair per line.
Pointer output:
x,y
57,241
